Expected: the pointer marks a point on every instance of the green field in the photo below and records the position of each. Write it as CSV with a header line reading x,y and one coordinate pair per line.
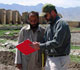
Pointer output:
x,y
75,58
6,25
75,47
74,29
12,32
3,40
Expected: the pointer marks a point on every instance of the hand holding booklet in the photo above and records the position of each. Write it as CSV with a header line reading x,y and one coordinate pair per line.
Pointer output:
x,y
25,47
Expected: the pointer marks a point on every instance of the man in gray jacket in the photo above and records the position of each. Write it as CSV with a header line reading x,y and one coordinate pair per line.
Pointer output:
x,y
56,40
32,32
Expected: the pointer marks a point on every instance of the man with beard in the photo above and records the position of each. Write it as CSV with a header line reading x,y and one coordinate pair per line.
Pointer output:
x,y
56,40
33,32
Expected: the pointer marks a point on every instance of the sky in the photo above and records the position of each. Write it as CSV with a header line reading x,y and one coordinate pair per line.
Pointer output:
x,y
58,3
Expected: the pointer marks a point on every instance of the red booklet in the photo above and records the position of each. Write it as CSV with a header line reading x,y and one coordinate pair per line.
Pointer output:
x,y
25,47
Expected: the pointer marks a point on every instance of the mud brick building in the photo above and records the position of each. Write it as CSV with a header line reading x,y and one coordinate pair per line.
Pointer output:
x,y
8,16
25,17
2,16
74,23
16,17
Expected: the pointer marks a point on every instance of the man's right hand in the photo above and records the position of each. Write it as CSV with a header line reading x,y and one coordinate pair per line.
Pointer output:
x,y
36,45
19,66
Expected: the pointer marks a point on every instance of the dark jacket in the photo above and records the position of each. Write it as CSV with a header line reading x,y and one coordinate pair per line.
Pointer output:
x,y
57,38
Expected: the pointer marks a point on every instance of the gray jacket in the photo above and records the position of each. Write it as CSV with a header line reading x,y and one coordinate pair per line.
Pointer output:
x,y
57,38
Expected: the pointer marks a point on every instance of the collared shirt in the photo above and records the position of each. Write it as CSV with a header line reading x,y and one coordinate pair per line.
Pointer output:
x,y
32,36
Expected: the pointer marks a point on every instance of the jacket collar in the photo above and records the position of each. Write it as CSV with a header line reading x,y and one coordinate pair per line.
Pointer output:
x,y
56,19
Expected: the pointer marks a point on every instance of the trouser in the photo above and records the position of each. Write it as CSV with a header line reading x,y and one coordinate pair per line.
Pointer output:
x,y
57,63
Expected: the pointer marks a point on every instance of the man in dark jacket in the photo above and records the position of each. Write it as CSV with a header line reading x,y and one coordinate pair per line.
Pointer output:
x,y
56,40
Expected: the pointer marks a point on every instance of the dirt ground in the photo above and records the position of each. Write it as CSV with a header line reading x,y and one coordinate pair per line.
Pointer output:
x,y
7,62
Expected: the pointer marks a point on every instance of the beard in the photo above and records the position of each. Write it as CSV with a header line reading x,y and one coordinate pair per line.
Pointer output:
x,y
34,27
51,20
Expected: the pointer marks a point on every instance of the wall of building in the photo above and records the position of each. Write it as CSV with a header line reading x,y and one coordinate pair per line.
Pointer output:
x,y
2,16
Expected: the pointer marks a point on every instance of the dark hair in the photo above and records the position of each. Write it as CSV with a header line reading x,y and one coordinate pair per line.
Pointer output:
x,y
34,14
49,8
55,11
